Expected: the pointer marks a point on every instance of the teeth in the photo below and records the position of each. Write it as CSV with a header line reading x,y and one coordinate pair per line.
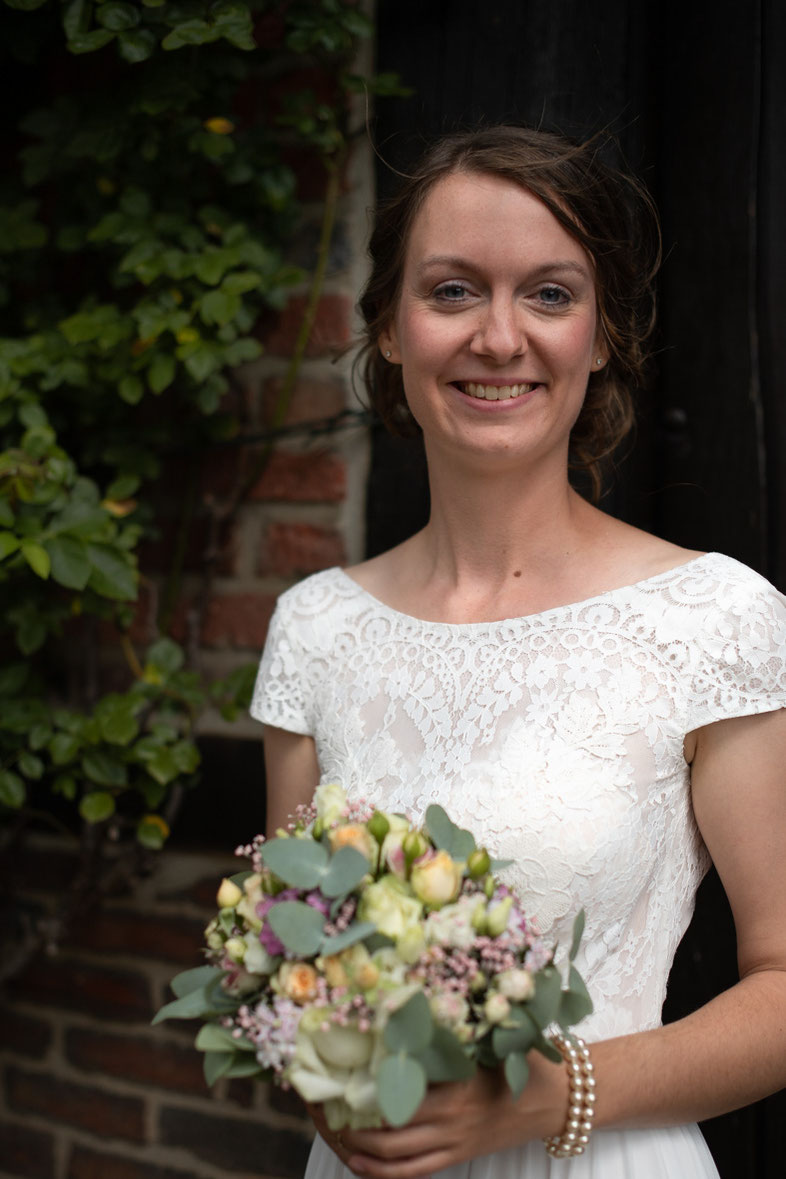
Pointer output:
x,y
495,392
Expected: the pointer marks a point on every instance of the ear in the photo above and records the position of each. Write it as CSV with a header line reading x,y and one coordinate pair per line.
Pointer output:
x,y
388,344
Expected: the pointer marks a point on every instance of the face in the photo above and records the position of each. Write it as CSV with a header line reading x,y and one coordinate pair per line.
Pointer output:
x,y
496,327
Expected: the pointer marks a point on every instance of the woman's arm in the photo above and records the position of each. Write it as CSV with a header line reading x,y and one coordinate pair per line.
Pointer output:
x,y
729,1053
291,772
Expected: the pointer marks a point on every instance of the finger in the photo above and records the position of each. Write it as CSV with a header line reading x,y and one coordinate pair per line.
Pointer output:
x,y
414,1167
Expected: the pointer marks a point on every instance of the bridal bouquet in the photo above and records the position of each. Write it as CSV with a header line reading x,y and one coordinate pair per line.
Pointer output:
x,y
363,957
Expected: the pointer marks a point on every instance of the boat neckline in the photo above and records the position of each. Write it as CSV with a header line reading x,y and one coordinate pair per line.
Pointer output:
x,y
565,606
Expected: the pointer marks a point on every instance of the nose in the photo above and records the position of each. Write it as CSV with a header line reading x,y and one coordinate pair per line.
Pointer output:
x,y
500,334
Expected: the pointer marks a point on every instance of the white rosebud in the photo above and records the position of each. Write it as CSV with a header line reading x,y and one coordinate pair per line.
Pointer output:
x,y
331,800
228,894
517,985
496,1008
235,948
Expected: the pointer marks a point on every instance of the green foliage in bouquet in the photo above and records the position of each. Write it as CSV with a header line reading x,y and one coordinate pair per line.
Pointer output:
x,y
145,222
364,959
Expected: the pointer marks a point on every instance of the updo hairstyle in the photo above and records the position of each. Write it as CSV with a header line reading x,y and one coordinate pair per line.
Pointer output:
x,y
609,213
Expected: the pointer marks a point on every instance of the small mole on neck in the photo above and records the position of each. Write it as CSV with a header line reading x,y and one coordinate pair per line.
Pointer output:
x,y
517,573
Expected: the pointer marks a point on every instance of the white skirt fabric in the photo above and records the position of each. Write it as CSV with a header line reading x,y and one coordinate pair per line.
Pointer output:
x,y
674,1152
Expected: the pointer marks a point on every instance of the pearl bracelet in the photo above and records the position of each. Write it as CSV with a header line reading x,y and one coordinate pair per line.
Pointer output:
x,y
581,1098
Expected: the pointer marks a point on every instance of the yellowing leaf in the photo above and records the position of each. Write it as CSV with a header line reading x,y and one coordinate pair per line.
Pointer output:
x,y
219,125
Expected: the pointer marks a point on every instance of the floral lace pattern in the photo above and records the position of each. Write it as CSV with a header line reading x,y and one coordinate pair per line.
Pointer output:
x,y
558,737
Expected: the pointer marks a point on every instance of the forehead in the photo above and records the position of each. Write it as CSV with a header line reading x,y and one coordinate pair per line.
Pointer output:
x,y
488,216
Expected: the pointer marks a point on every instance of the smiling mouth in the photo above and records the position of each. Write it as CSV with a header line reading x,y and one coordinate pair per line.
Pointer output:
x,y
494,392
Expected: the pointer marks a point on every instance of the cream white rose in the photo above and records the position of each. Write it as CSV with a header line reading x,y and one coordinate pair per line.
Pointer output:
x,y
390,905
331,801
437,880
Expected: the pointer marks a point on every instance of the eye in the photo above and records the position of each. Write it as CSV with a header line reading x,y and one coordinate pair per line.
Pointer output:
x,y
451,292
553,296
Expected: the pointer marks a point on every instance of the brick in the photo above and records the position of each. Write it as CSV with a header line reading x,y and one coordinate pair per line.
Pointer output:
x,y
107,994
302,478
286,1101
92,1164
85,1108
138,1058
23,1034
25,1152
236,1145
310,400
203,892
238,620
50,869
293,550
331,331
167,939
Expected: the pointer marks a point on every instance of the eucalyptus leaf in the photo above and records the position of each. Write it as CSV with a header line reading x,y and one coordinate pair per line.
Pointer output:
x,y
192,980
244,1065
411,1026
356,932
519,1038
516,1072
401,1086
575,1003
543,1007
216,1065
444,1058
578,931
211,1037
346,869
457,842
193,1005
297,925
300,863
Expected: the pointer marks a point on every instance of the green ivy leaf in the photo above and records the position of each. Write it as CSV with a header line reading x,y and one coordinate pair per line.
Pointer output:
x,y
117,16
12,789
70,565
63,748
8,544
97,806
105,770
161,373
166,655
37,558
31,766
112,575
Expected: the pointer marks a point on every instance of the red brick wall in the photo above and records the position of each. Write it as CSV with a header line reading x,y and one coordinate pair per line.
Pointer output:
x,y
89,1089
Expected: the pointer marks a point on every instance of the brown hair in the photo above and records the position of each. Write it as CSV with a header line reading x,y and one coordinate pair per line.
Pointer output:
x,y
608,212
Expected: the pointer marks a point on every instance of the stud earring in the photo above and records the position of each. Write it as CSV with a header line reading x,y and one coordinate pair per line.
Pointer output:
x,y
388,354
599,360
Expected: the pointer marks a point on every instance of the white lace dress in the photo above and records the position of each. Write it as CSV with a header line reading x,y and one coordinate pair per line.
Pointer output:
x,y
558,739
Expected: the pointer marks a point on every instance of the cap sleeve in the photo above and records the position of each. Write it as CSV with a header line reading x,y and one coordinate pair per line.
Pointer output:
x,y
740,652
279,697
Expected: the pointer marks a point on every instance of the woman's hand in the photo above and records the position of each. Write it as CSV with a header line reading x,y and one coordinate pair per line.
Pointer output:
x,y
456,1122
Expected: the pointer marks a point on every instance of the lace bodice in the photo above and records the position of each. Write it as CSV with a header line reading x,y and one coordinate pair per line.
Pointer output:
x,y
557,738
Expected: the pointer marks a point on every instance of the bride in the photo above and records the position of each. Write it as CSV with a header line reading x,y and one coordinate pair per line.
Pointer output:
x,y
601,706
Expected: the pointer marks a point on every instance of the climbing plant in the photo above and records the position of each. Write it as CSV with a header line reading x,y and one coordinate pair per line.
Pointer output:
x,y
146,208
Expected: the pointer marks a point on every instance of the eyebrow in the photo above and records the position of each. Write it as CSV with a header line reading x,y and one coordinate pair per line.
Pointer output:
x,y
566,266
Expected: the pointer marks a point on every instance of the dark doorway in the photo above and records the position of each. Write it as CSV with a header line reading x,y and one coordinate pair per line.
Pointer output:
x,y
695,95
